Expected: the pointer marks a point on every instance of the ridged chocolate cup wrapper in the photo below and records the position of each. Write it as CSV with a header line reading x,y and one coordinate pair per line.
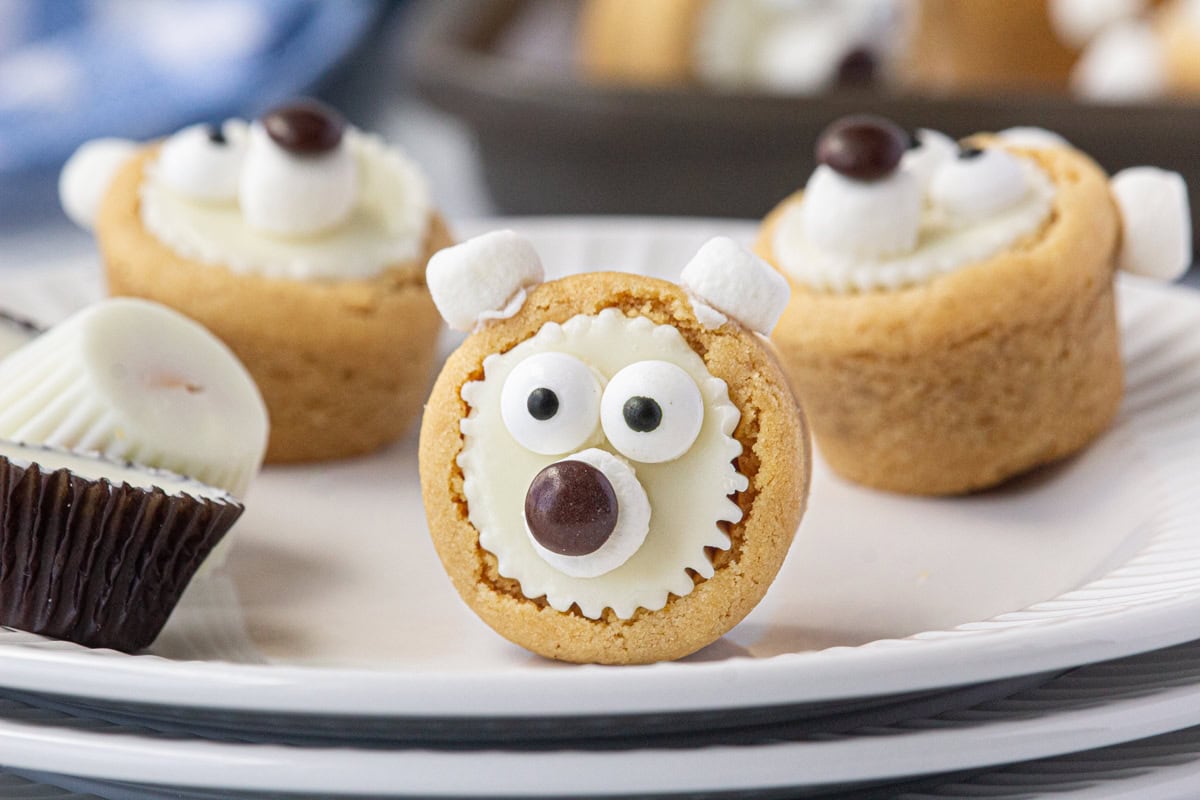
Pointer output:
x,y
98,552
15,332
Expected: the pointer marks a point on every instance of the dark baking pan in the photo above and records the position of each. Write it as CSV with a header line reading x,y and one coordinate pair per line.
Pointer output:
x,y
552,143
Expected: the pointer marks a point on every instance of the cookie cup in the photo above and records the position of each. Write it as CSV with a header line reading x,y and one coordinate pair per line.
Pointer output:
x,y
343,366
977,375
776,459
983,45
635,42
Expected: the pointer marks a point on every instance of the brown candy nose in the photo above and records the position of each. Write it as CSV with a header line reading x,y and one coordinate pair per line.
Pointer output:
x,y
571,508
305,128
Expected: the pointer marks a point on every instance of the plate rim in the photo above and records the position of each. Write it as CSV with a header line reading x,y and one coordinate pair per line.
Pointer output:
x,y
667,687
1092,708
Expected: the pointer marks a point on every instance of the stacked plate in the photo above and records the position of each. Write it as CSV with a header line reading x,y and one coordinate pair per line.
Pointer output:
x,y
909,648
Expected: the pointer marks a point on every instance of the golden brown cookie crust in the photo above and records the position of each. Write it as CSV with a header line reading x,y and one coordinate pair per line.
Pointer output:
x,y
342,365
776,458
638,42
977,375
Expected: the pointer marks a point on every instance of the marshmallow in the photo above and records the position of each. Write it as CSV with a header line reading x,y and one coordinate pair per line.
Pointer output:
x,y
1077,21
86,176
196,165
933,149
1032,137
1156,236
860,218
295,195
735,282
974,187
1124,63
633,521
801,55
483,278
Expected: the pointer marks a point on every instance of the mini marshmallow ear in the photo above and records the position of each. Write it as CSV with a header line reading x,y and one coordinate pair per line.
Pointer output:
x,y
734,281
1125,63
483,278
1156,239
86,176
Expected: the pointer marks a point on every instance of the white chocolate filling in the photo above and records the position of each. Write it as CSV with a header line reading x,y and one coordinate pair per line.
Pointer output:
x,y
387,225
944,243
689,496
93,468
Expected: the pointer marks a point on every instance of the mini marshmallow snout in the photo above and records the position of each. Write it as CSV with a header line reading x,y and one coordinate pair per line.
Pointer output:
x,y
628,534
1156,238
86,176
483,278
726,276
286,194
978,183
862,218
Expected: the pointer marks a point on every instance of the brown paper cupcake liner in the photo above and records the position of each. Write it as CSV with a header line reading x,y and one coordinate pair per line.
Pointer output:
x,y
98,563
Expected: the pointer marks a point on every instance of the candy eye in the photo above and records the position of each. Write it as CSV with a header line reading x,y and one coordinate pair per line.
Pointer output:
x,y
978,183
550,403
652,411
204,161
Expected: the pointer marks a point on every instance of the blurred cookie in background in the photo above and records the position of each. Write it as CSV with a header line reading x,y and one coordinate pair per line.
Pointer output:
x,y
783,46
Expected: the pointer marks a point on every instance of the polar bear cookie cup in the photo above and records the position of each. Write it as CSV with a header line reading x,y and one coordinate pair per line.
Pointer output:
x,y
297,239
952,319
613,466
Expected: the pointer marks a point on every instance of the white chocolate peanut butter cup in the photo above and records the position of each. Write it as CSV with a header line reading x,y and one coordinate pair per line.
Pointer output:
x,y
135,381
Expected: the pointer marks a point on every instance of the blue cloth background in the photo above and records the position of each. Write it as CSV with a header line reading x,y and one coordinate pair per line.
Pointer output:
x,y
72,70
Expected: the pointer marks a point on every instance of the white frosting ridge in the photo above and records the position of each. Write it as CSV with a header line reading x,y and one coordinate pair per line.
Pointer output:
x,y
137,382
689,497
387,226
942,245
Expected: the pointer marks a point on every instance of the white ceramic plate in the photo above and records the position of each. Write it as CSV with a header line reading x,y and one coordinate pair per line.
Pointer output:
x,y
336,603
1093,706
